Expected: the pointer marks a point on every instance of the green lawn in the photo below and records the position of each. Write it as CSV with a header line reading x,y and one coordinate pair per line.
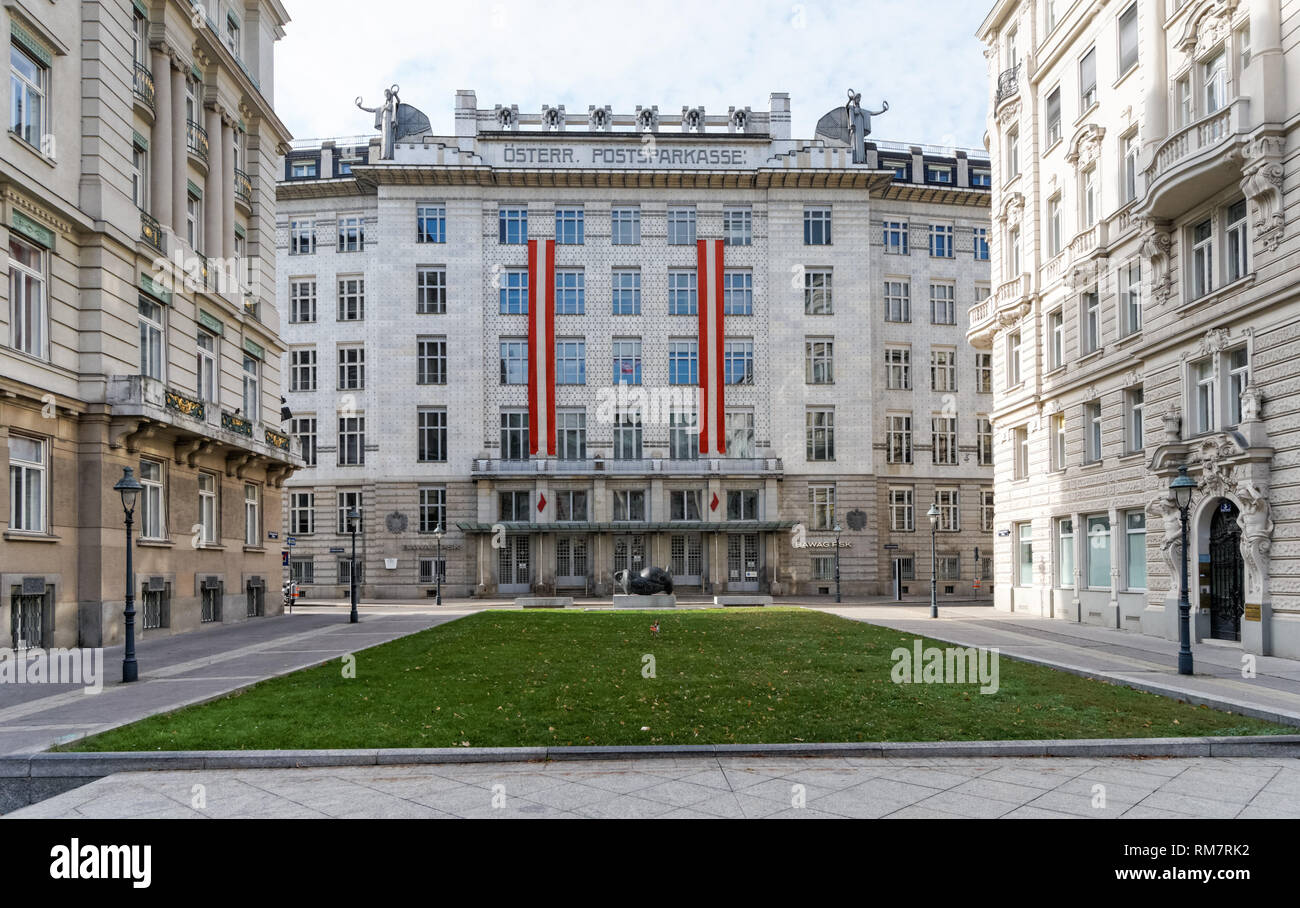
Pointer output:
x,y
507,678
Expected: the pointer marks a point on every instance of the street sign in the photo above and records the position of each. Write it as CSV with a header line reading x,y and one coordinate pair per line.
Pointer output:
x,y
284,558
291,543
272,535
291,539
891,545
336,550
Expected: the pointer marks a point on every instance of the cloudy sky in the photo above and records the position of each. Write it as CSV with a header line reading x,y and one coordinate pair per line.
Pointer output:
x,y
919,54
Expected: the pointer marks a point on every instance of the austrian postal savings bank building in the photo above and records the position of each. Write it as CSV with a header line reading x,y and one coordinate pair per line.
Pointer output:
x,y
579,343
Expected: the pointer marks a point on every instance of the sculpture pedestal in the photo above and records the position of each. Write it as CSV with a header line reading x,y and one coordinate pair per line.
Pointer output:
x,y
545,602
742,599
657,600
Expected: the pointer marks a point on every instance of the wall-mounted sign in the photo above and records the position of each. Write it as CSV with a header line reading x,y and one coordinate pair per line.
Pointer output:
x,y
1252,611
1004,532
336,550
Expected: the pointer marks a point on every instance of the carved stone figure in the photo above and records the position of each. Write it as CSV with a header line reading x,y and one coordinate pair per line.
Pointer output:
x,y
651,580
1165,509
851,125
385,119
1256,522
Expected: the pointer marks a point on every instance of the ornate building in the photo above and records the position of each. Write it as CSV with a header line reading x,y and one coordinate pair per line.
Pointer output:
x,y
138,326
587,341
1144,315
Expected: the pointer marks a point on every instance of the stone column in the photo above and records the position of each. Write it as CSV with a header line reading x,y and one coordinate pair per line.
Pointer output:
x,y
1155,116
162,163
180,153
227,139
1264,81
213,188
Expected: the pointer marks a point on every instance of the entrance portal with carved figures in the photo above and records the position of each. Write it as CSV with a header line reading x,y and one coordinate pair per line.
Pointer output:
x,y
1227,582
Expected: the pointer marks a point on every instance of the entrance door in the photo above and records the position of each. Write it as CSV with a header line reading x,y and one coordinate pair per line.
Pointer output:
x,y
513,565
629,554
687,562
742,562
571,561
1227,591
25,622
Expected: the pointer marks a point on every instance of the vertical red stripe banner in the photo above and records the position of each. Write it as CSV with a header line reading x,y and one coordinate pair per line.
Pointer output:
x,y
709,283
541,347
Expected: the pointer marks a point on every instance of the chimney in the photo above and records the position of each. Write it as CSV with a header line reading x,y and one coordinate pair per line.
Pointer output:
x,y
326,160
466,114
779,122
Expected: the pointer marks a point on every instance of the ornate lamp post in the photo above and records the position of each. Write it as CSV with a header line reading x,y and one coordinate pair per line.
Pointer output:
x,y
933,514
437,565
1182,488
354,517
129,488
837,532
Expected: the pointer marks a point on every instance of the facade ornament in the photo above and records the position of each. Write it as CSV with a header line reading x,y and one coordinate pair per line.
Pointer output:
x,y
1252,403
1262,175
1013,207
1009,113
1157,243
507,117
1206,32
692,119
647,118
552,118
1214,341
1256,523
1164,507
1085,147
739,118
1132,377
1173,423
600,119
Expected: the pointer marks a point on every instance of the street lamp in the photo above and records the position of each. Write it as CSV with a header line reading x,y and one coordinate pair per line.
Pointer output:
x,y
437,565
837,532
129,488
933,514
1182,488
353,518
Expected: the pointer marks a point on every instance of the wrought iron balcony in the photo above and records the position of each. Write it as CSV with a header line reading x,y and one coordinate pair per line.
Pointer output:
x,y
197,139
1008,83
243,188
152,233
144,89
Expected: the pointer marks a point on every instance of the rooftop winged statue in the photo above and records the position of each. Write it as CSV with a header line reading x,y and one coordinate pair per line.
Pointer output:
x,y
385,118
850,125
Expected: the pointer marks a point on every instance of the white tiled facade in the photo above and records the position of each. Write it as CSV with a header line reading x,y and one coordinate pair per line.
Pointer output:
x,y
503,160
1144,263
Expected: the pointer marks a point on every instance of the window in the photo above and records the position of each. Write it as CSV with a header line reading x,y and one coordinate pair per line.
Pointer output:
x,y
139,175
569,226
303,429
514,292
152,501
1092,431
819,362
302,301
1238,248
627,435
1128,38
155,608
347,502
943,370
981,178
1055,339
232,34
1089,195
1025,554
302,368
1013,359
898,368
984,440
987,511
739,426
1135,549
1065,552
738,362
570,362
352,234
738,293
901,514
570,292
571,506
896,237
1202,258
898,301
27,311
984,373
512,226
1130,294
1129,170
942,304
1133,427
1098,551
345,572
902,168
742,504
29,83
433,508
1205,394
737,227
819,428
433,570
352,368
1213,78
941,241
627,361
627,291
1058,441
1238,381
27,484
571,434
625,226
1053,117
431,224
1013,251
1243,45
682,293
298,170
629,504
817,293
151,339
1055,240
1088,79
514,435
981,241
1013,153
431,434
430,290
937,173
352,299
816,226
302,513
949,511
684,505
683,362
1089,323
431,361
352,441
681,226
943,434
1020,444
1183,98
821,506
898,438
301,570
514,361
302,237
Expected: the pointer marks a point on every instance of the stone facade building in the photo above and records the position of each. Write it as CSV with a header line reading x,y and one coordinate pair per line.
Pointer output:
x,y
138,326
583,342
1144,314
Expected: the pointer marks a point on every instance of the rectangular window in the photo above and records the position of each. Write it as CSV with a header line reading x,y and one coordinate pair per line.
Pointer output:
x,y
303,429
433,570
682,299
570,362
987,511
898,438
981,178
1238,248
1130,294
569,226
514,435
681,226
683,362
1133,426
571,434
1013,251
571,506
943,370
302,301
1065,552
352,368
1129,174
984,373
941,241
981,244
937,173
627,435
152,501
896,237
352,441
821,506
1089,195
1098,551
1055,339
816,226
625,226
430,290
943,436
819,362
1092,431
302,513
1202,258
739,426
1238,380
431,224
1135,548
302,369
433,509
1058,441
514,361
738,293
1024,554
352,234
514,292
898,368
629,504
1013,359
684,504
627,361
898,301
943,310
431,434
737,227
27,484
819,429
155,608
901,514
29,85
627,291
431,361
151,339
570,292
1128,38
209,508
1205,395
817,293
512,226
1088,79
1020,450
1183,99
1214,78
947,501
738,362
1013,153
683,436
1053,117
1089,322
984,440
347,502
1054,234
352,299
27,306
302,237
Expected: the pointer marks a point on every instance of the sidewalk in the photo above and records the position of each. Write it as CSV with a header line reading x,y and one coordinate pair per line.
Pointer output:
x,y
1141,661
190,668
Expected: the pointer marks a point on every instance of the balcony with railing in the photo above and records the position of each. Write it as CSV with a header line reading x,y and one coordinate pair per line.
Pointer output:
x,y
243,188
143,86
152,233
1008,84
1007,302
196,138
598,466
1197,161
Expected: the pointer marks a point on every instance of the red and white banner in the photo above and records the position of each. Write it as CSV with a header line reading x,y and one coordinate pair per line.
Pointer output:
x,y
712,415
541,347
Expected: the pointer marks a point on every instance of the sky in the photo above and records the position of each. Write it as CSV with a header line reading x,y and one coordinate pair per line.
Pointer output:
x,y
922,56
